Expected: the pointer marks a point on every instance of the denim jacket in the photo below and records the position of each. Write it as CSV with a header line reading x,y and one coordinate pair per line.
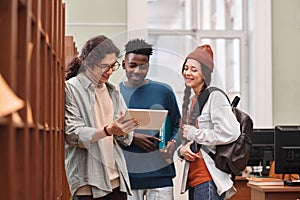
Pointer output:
x,y
83,158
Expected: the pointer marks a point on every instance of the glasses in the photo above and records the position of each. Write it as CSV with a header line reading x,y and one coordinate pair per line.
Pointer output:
x,y
141,67
107,67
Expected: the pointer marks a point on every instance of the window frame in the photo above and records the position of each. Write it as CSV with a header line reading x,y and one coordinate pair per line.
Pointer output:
x,y
256,57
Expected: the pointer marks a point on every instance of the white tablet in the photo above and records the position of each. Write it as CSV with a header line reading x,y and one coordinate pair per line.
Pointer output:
x,y
149,119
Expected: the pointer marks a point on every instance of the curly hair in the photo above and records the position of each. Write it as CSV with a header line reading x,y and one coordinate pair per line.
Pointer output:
x,y
73,68
94,50
138,46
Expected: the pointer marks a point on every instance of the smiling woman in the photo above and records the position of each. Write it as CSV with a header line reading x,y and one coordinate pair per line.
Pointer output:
x,y
115,66
92,54
103,69
215,125
94,126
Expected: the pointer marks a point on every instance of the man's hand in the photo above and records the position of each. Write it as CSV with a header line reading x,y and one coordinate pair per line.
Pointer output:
x,y
171,147
145,142
168,152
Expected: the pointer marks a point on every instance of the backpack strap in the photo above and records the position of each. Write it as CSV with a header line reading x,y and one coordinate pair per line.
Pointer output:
x,y
234,102
211,89
202,99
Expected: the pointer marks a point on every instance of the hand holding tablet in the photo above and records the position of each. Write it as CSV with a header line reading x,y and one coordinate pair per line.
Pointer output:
x,y
148,119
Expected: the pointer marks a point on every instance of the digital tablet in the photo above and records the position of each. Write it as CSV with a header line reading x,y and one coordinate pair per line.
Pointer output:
x,y
149,119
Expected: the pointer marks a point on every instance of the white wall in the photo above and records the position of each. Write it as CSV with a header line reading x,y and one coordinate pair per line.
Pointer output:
x,y
286,61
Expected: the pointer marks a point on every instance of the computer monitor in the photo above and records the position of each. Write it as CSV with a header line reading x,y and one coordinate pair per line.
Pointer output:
x,y
262,151
287,149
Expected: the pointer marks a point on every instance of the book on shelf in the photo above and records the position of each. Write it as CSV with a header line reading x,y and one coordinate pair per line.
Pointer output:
x,y
265,181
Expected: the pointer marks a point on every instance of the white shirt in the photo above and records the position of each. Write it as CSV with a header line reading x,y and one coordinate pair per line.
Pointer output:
x,y
217,125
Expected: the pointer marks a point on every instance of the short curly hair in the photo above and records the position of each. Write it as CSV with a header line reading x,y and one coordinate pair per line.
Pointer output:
x,y
138,46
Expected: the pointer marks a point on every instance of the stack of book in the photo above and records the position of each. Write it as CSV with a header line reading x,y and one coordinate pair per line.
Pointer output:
x,y
265,181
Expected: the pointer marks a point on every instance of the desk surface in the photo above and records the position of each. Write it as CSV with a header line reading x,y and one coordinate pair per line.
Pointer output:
x,y
273,192
274,188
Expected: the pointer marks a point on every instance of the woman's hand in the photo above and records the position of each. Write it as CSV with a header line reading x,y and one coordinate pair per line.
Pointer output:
x,y
186,152
185,130
119,127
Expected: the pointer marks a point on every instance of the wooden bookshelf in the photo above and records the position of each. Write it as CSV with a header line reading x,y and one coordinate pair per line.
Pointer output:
x,y
32,62
70,50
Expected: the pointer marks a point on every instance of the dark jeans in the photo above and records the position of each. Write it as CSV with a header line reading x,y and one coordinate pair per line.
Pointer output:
x,y
205,191
115,195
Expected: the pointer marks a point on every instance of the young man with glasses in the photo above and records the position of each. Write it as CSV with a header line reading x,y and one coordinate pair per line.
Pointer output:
x,y
94,127
151,169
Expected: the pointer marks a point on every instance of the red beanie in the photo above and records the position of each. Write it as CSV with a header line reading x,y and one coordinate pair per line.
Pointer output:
x,y
204,55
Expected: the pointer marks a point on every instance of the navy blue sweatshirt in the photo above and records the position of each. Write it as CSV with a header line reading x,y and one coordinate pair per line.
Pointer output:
x,y
150,170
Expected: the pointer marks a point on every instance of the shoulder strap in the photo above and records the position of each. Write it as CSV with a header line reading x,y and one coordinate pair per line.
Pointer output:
x,y
203,97
209,90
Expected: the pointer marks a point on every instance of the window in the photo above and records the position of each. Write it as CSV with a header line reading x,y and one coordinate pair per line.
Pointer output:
x,y
178,26
239,31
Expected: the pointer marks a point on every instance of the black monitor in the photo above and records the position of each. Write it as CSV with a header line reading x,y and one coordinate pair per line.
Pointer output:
x,y
287,149
262,151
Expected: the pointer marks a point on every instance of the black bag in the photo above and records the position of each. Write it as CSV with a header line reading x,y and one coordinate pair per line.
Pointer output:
x,y
231,158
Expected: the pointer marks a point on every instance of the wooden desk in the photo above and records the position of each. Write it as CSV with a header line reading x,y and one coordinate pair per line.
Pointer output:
x,y
274,192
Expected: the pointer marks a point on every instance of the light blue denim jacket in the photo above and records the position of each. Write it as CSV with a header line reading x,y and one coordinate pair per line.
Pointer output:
x,y
83,158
